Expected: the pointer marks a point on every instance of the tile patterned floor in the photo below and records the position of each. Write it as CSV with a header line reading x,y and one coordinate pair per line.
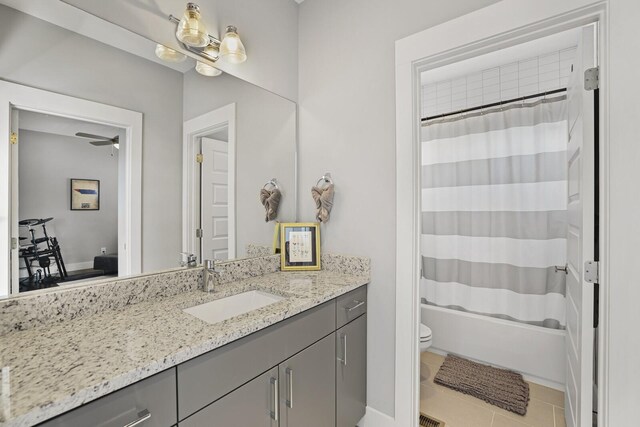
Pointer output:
x,y
546,405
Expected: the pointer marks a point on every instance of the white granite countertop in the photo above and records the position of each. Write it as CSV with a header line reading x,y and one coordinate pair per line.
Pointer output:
x,y
54,368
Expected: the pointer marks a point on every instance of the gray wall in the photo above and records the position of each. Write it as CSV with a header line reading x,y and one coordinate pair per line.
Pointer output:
x,y
269,31
39,54
347,127
265,147
47,162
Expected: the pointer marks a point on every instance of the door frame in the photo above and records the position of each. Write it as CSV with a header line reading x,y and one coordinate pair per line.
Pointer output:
x,y
495,27
27,98
192,130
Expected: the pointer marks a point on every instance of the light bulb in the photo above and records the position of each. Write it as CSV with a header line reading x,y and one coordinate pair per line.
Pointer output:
x,y
207,70
168,54
231,48
191,30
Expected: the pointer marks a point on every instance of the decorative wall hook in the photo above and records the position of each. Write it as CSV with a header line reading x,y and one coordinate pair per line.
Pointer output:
x,y
326,178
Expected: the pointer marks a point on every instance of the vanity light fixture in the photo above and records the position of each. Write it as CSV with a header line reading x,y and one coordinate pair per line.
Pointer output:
x,y
207,70
192,34
231,48
191,30
213,53
168,54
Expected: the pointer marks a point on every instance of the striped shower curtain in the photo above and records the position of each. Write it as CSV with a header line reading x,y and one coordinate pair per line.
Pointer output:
x,y
494,190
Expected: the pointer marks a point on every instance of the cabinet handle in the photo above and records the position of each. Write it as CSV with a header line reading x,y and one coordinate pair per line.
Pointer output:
x,y
357,305
289,372
142,417
276,399
343,337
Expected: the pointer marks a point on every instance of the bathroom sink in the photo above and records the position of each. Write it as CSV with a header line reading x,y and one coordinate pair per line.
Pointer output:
x,y
234,305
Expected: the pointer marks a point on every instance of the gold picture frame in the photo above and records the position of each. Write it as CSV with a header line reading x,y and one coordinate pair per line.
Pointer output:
x,y
299,246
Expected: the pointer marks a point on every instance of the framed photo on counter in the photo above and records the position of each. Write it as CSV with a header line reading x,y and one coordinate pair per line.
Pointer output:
x,y
300,246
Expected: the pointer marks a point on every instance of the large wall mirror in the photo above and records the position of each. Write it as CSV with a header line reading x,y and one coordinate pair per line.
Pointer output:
x,y
120,161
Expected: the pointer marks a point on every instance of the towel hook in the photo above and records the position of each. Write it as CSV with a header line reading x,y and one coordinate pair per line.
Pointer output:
x,y
273,182
326,178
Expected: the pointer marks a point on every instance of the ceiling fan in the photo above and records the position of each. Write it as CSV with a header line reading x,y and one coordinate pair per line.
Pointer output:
x,y
101,140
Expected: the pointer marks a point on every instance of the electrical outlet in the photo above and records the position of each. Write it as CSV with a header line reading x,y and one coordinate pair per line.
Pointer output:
x,y
103,251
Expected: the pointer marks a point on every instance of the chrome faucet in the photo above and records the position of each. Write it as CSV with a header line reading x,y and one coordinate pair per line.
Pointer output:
x,y
192,260
211,275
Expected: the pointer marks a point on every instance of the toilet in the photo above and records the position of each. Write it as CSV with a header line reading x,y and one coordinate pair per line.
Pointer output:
x,y
425,337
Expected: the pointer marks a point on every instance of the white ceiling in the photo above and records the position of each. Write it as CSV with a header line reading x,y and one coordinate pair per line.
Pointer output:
x,y
220,135
143,23
47,123
83,23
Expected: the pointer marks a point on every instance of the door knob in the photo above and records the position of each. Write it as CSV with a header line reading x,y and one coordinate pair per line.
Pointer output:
x,y
563,268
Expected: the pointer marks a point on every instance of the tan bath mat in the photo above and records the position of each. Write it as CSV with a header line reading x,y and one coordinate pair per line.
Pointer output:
x,y
500,387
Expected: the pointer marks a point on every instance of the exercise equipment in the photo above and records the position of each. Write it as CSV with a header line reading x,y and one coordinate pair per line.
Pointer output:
x,y
41,250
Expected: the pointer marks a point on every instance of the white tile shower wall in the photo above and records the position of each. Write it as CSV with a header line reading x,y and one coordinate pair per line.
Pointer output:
x,y
527,77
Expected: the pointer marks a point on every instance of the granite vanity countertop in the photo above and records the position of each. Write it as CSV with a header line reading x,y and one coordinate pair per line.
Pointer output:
x,y
48,370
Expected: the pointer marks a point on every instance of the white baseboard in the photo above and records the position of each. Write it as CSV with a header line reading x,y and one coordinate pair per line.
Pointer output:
x,y
79,266
54,269
375,418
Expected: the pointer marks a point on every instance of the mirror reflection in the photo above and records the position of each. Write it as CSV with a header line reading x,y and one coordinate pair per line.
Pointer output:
x,y
61,226
162,162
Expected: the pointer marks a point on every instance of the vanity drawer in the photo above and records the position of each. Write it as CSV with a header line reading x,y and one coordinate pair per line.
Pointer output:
x,y
207,378
350,306
154,397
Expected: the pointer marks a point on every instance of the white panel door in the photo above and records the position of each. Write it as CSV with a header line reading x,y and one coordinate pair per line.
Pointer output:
x,y
214,199
580,238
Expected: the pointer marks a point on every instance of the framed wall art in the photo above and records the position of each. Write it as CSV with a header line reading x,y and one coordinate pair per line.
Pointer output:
x,y
300,246
85,194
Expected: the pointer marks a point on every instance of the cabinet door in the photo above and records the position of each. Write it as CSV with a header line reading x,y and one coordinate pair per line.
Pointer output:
x,y
255,404
213,375
307,387
351,372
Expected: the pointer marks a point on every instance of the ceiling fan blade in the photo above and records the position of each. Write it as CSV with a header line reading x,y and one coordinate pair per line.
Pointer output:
x,y
92,136
101,143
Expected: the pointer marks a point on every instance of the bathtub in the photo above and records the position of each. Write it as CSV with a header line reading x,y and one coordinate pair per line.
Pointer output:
x,y
536,352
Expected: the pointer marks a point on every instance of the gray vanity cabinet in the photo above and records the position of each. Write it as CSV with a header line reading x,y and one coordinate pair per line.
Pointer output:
x,y
351,372
253,404
306,371
299,392
308,388
151,402
209,377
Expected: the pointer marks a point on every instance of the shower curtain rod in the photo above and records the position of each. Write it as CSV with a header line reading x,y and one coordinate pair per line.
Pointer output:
x,y
493,104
